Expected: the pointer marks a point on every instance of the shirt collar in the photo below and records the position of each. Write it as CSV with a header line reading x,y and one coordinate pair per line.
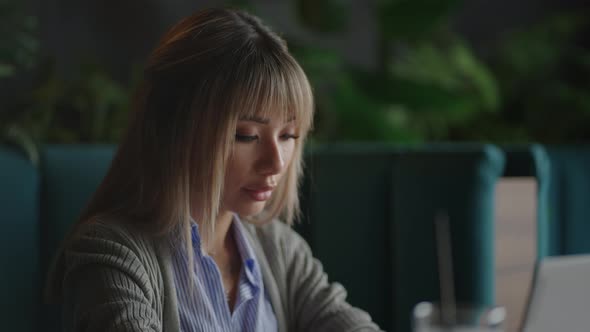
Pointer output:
x,y
196,237
249,262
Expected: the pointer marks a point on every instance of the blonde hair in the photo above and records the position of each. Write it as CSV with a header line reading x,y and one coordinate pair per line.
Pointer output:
x,y
208,71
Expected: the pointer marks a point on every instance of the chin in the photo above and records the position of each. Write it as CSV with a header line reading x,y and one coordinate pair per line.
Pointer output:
x,y
250,209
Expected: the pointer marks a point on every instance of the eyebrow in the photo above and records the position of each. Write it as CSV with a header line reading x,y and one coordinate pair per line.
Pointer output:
x,y
260,120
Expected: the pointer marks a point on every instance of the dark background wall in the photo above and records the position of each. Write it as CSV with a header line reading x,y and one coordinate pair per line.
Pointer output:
x,y
484,22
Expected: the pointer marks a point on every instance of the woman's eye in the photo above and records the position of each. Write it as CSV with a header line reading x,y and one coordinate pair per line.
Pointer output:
x,y
246,138
289,136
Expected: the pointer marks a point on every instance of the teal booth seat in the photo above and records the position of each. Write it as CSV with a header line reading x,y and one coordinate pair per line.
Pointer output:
x,y
367,213
567,219
19,243
369,217
459,180
346,220
70,175
563,195
532,160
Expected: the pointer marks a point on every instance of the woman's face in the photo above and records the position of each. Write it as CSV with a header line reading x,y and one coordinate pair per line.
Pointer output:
x,y
262,152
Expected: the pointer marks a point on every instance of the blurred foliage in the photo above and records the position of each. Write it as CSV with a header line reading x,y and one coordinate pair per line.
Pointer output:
x,y
425,80
544,72
407,20
18,52
90,107
18,46
426,83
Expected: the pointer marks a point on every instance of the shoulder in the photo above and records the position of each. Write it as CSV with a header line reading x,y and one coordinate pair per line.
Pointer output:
x,y
114,242
278,233
105,245
279,240
109,236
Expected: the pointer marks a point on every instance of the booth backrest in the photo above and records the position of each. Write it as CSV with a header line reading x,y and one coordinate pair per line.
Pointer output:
x,y
459,182
69,176
368,215
563,187
19,243
568,197
347,222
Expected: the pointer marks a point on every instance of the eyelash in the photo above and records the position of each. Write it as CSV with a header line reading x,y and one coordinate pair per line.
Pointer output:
x,y
247,138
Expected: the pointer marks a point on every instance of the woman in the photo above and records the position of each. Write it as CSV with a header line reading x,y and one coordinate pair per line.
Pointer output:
x,y
183,234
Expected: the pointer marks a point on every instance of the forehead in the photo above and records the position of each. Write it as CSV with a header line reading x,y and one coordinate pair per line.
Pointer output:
x,y
278,95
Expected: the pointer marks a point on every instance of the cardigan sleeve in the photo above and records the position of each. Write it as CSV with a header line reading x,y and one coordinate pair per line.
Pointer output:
x,y
106,287
317,304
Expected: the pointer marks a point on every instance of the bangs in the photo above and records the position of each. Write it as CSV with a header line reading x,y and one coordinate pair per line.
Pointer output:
x,y
275,87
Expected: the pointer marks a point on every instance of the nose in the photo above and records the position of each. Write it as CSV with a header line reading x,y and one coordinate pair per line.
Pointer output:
x,y
270,161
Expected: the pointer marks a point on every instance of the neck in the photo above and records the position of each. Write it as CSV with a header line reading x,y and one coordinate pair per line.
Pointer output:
x,y
221,239
222,248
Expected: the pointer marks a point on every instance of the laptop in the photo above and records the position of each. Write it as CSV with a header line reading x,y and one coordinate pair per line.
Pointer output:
x,y
559,300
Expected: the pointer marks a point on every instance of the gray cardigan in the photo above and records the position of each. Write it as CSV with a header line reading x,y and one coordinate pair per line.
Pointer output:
x,y
115,278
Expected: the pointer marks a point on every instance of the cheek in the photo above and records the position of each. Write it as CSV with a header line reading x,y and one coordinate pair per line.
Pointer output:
x,y
288,154
243,156
237,169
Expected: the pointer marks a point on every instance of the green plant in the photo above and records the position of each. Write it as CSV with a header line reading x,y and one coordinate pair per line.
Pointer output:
x,y
544,72
546,75
18,53
426,78
427,84
90,107
18,42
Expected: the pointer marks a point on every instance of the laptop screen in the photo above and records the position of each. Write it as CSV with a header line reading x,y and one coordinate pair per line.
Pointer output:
x,y
560,295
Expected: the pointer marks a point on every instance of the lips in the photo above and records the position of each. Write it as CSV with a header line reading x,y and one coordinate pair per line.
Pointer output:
x,y
259,193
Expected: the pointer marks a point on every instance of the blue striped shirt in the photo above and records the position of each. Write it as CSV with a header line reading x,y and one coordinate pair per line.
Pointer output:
x,y
206,308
